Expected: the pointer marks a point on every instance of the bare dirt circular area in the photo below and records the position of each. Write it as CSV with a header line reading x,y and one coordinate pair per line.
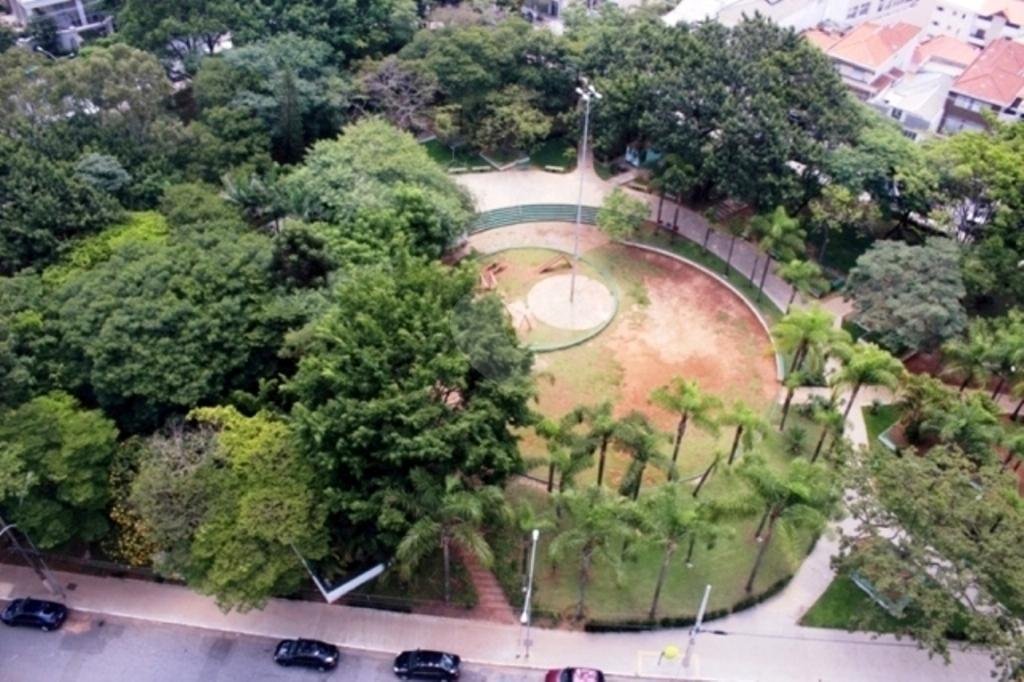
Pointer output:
x,y
673,320
567,304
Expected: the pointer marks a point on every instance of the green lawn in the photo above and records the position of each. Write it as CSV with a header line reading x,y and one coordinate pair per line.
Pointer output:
x,y
877,421
844,606
555,152
442,154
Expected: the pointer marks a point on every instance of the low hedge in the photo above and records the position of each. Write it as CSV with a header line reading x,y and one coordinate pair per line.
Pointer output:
x,y
685,621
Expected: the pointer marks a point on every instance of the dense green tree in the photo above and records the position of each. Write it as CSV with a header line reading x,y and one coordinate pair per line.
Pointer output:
x,y
601,426
54,456
398,93
353,173
776,234
511,122
405,370
1006,354
960,546
162,327
972,425
911,297
181,30
8,38
803,276
969,357
27,340
840,211
46,206
264,509
450,518
621,216
102,171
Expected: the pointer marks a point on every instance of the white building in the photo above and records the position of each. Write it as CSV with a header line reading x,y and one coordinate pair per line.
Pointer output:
x,y
73,18
978,22
803,14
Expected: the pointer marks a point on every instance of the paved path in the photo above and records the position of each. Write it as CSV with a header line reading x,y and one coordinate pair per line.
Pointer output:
x,y
492,605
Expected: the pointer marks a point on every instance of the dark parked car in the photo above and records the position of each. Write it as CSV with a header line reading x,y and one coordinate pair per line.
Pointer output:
x,y
35,613
574,675
427,665
307,653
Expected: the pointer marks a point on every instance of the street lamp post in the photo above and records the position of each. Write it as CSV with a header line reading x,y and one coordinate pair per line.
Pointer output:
x,y
32,558
696,629
586,93
524,618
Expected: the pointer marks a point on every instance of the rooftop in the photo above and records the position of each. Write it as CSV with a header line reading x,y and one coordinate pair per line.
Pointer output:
x,y
1013,10
871,46
997,75
821,39
945,49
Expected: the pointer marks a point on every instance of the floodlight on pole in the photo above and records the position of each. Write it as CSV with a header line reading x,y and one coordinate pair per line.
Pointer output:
x,y
524,617
586,93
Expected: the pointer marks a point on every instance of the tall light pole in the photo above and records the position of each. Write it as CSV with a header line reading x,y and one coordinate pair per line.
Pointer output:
x,y
32,558
524,618
586,93
695,630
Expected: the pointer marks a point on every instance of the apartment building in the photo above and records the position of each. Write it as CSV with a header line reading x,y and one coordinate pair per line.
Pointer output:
x,y
978,22
993,84
74,19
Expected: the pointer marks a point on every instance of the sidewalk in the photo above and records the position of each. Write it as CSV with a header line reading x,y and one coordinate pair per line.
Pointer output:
x,y
793,655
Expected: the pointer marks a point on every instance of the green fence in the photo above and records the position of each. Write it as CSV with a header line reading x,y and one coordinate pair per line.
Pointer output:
x,y
531,213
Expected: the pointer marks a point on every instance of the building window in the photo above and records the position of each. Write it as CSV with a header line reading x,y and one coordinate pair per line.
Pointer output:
x,y
864,8
896,113
979,34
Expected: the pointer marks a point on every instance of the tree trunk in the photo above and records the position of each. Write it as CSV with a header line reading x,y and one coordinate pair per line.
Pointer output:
x,y
753,271
1006,461
446,547
551,478
799,356
704,477
785,406
1016,413
735,444
792,297
764,276
600,460
728,259
662,572
963,386
761,551
584,576
853,397
999,388
661,201
707,236
639,482
675,219
824,245
680,432
689,550
760,524
821,441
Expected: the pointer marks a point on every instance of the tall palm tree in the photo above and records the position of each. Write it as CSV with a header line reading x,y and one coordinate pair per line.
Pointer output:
x,y
639,438
803,496
526,520
793,381
597,522
866,364
971,424
453,515
808,333
920,394
669,518
685,399
715,462
1018,392
778,234
1014,449
748,424
803,276
969,357
832,424
601,425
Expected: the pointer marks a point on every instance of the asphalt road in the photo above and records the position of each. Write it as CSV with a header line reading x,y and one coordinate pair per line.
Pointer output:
x,y
95,649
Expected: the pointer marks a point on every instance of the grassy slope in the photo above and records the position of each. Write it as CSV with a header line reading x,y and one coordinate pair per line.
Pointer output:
x,y
842,603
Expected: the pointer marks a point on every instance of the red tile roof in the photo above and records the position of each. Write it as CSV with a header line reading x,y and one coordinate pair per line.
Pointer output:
x,y
946,49
997,75
871,46
821,39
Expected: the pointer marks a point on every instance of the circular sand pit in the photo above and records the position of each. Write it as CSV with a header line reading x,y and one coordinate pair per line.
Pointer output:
x,y
591,305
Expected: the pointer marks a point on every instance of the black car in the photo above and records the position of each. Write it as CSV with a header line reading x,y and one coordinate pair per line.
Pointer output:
x,y
307,653
35,613
427,665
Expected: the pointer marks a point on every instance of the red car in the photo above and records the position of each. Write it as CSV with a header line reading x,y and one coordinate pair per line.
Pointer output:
x,y
574,675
